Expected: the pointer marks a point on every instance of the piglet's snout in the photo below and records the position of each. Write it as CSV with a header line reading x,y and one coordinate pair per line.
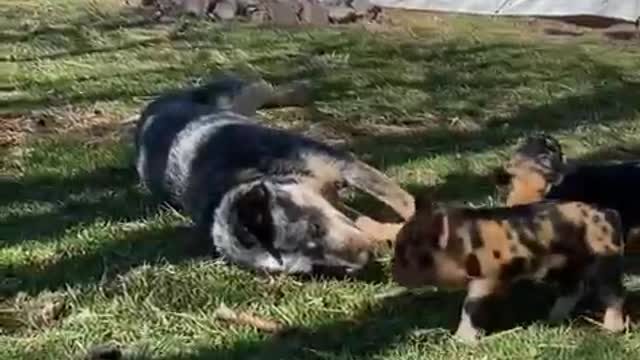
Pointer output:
x,y
400,274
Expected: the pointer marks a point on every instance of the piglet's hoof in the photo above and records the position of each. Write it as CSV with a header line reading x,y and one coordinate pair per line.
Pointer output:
x,y
614,321
468,335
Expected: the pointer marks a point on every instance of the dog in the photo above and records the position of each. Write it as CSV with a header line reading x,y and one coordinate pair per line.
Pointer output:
x,y
266,198
487,249
539,170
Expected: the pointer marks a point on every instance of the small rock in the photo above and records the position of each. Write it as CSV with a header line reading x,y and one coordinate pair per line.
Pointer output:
x,y
375,14
315,14
361,7
225,9
195,7
258,16
283,13
329,3
244,4
341,14
104,352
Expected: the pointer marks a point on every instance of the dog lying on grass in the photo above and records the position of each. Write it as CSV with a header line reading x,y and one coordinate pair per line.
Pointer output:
x,y
538,170
485,250
266,198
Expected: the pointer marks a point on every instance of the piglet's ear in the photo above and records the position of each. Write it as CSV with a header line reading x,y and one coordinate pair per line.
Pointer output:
x,y
442,223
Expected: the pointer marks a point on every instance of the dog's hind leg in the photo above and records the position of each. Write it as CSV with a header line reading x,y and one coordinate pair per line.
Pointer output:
x,y
378,185
611,291
261,95
297,93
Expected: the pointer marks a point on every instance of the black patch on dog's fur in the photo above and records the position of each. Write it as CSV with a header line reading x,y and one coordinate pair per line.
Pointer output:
x,y
608,185
254,213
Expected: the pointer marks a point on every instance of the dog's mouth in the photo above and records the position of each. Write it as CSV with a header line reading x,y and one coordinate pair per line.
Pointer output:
x,y
337,267
331,271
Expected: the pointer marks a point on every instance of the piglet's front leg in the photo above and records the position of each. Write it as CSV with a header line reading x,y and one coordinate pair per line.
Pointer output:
x,y
474,317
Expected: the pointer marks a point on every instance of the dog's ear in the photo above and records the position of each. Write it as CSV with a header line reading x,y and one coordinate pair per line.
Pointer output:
x,y
253,209
500,177
554,167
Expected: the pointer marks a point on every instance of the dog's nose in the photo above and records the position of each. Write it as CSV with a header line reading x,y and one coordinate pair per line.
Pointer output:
x,y
359,251
362,256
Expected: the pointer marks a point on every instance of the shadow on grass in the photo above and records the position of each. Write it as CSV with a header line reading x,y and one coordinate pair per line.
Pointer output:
x,y
87,50
100,263
612,153
611,103
106,193
369,332
379,327
448,79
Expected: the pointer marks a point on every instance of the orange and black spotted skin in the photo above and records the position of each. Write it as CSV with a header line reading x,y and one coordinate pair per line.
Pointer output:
x,y
485,250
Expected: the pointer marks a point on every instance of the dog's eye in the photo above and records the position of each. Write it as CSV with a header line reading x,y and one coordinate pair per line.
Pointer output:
x,y
315,230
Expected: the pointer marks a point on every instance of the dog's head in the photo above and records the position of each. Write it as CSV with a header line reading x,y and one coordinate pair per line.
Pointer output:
x,y
288,227
537,164
424,254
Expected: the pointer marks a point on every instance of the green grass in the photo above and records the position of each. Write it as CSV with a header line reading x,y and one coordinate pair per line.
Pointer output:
x,y
76,229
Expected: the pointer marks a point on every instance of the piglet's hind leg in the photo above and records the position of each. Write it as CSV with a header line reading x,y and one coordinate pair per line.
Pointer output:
x,y
474,317
608,273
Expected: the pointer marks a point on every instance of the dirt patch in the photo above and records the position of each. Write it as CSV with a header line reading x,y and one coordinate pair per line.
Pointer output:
x,y
91,124
24,312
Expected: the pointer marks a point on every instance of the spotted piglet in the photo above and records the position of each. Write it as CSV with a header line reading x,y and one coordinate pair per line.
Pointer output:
x,y
486,249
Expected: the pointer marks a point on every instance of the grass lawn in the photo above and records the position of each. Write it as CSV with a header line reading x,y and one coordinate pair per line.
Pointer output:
x,y
87,258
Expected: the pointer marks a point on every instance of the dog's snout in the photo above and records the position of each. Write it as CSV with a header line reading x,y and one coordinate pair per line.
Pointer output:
x,y
358,250
362,256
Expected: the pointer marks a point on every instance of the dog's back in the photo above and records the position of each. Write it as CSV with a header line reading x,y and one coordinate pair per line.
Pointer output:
x,y
538,169
612,186
221,150
164,118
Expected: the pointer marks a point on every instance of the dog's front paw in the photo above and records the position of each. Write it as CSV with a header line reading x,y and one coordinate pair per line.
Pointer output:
x,y
377,230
